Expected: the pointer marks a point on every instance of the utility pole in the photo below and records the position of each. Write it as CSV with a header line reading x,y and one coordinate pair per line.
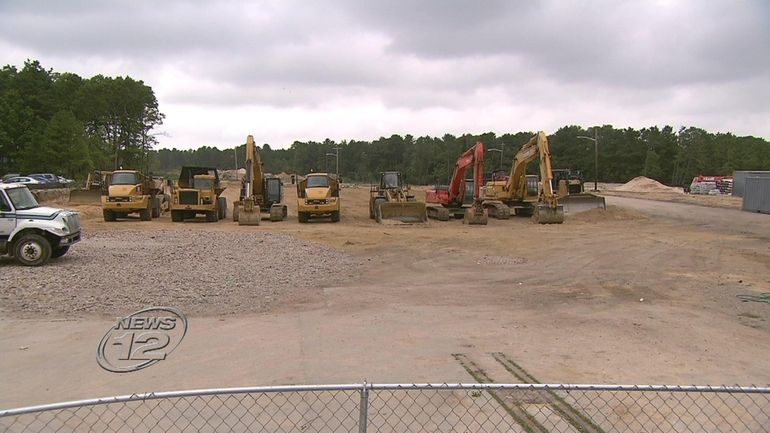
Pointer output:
x,y
336,155
595,139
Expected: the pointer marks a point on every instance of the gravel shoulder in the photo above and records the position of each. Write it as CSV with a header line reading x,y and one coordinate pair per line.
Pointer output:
x,y
198,271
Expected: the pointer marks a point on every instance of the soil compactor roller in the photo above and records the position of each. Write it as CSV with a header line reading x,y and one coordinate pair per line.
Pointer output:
x,y
259,193
391,200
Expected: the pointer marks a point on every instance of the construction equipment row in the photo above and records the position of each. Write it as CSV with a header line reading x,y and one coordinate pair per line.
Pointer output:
x,y
468,196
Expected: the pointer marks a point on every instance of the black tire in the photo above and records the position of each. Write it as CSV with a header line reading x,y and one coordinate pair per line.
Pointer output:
x,y
155,207
222,202
145,215
303,217
109,216
177,216
212,216
335,216
236,212
60,251
32,250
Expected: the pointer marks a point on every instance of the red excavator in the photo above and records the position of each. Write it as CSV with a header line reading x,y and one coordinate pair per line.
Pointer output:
x,y
441,202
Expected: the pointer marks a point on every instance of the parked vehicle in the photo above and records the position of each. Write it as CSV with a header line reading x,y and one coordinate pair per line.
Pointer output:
x,y
48,178
31,233
9,175
24,180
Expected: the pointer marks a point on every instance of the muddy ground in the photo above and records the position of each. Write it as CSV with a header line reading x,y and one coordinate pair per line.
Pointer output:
x,y
645,292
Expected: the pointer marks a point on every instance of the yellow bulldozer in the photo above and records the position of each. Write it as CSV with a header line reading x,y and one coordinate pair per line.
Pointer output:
x,y
515,193
318,195
259,193
392,200
93,188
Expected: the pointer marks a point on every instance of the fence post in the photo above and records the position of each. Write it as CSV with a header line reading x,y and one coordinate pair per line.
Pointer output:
x,y
363,409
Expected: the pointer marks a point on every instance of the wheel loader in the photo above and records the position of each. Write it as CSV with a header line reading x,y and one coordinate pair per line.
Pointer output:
x,y
391,200
198,191
92,190
318,195
259,193
129,191
515,193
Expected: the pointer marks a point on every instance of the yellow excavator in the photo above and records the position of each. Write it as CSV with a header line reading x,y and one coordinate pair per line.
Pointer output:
x,y
259,193
516,193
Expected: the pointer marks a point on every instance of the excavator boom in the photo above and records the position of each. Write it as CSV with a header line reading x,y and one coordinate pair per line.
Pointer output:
x,y
454,196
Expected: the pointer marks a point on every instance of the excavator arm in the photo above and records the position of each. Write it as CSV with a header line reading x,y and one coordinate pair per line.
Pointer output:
x,y
472,157
254,176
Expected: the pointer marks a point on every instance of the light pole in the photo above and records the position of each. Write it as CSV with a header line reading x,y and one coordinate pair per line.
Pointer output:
x,y
501,154
595,139
336,155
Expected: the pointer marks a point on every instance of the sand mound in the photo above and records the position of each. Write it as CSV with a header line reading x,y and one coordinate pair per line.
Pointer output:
x,y
645,184
612,213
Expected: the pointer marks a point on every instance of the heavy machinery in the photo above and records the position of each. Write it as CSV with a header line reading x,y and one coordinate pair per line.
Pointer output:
x,y
571,192
92,190
129,191
517,191
443,202
198,191
258,192
318,195
392,200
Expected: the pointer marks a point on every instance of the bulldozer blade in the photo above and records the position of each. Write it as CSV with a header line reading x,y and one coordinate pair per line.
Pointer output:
x,y
85,196
473,216
544,214
252,218
406,212
574,203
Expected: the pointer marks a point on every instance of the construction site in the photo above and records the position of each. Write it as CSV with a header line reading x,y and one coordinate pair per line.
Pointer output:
x,y
633,283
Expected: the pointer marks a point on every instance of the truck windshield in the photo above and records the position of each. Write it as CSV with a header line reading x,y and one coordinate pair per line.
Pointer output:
x,y
317,182
21,198
124,179
390,180
203,183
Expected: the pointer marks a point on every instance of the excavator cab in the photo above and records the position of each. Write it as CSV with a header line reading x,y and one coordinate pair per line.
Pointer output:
x,y
274,190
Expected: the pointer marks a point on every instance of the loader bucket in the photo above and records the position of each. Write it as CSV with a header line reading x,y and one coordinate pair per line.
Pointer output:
x,y
473,216
544,214
406,212
85,196
249,218
574,203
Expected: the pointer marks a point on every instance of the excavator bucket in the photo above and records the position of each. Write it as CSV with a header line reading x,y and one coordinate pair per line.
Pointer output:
x,y
474,216
248,214
583,201
85,196
406,212
545,214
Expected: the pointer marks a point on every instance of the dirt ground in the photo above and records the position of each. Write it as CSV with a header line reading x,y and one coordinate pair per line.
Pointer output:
x,y
640,293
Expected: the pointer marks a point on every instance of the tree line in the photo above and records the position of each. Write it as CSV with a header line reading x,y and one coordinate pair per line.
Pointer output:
x,y
65,124
61,123
672,156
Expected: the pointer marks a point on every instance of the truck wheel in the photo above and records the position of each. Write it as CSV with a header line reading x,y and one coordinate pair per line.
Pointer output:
x,y
109,216
177,216
335,216
212,216
222,201
145,215
60,251
236,212
32,250
156,207
303,217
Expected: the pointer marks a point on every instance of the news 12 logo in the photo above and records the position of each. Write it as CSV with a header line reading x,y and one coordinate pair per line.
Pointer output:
x,y
141,339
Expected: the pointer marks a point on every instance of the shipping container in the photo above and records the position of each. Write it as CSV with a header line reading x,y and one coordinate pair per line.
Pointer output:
x,y
756,196
739,180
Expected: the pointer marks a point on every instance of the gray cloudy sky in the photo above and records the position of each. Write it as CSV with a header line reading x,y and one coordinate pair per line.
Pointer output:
x,y
285,70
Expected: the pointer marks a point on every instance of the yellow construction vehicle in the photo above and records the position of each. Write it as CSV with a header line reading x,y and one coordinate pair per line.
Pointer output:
x,y
318,195
92,191
258,192
198,191
572,194
392,200
516,193
129,191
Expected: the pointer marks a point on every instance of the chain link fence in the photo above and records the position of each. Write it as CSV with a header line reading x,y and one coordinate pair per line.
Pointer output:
x,y
530,408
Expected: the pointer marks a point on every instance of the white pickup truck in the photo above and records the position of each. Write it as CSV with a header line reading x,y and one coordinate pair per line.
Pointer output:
x,y
31,233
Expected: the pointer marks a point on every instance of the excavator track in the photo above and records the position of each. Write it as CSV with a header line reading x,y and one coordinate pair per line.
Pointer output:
x,y
438,212
497,209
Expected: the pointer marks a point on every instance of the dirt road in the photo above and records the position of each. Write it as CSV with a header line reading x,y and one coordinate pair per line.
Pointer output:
x,y
629,296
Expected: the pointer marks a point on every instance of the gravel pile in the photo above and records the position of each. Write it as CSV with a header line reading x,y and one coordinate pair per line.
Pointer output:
x,y
199,272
